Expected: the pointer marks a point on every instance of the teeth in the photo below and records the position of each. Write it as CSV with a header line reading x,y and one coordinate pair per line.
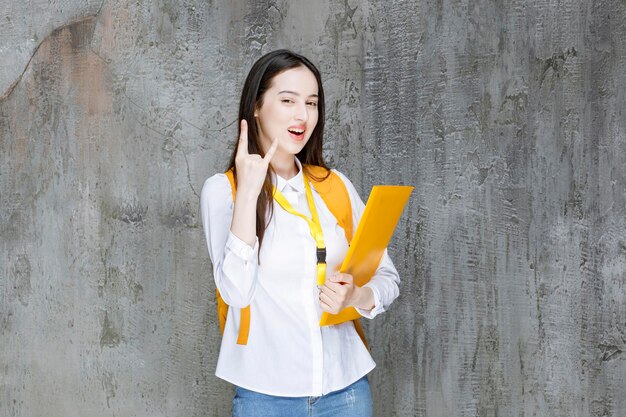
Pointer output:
x,y
296,130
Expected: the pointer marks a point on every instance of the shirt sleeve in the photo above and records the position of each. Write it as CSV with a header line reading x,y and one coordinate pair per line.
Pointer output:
x,y
235,266
385,282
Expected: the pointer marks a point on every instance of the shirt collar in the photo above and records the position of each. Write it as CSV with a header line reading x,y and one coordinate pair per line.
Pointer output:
x,y
293,184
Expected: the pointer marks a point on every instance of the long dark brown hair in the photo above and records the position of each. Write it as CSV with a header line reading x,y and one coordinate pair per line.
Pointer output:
x,y
257,83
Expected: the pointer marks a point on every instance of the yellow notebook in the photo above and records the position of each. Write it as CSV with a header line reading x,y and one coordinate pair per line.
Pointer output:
x,y
382,212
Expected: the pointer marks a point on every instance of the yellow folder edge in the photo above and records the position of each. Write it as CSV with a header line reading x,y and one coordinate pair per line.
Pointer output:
x,y
380,217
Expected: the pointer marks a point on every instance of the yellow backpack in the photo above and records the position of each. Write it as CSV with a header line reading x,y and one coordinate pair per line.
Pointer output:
x,y
334,193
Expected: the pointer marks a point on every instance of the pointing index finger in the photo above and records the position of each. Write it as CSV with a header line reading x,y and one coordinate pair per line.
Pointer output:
x,y
242,147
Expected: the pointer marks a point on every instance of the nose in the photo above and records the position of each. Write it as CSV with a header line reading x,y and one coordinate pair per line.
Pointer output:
x,y
302,113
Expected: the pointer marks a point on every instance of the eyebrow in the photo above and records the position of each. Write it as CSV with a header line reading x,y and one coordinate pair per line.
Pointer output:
x,y
294,93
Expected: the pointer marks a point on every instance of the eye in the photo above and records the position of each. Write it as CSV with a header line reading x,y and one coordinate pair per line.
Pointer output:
x,y
286,100
312,103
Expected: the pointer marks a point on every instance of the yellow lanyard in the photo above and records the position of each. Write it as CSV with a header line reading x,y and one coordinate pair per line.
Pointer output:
x,y
314,226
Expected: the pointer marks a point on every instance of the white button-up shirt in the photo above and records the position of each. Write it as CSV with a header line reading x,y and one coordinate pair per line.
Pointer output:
x,y
288,353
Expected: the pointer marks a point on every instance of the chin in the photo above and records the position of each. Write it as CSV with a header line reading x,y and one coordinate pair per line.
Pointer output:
x,y
294,148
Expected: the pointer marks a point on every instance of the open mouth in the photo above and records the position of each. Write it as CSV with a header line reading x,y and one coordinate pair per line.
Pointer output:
x,y
296,133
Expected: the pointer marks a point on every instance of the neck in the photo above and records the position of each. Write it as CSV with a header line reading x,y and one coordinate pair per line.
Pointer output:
x,y
284,166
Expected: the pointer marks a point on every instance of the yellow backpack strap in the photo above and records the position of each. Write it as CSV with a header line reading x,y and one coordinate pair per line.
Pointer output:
x,y
222,307
335,195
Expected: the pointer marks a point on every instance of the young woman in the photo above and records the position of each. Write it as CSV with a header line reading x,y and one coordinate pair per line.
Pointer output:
x,y
266,257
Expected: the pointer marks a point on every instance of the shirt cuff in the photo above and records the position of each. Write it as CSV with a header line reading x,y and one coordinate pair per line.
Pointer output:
x,y
240,248
376,310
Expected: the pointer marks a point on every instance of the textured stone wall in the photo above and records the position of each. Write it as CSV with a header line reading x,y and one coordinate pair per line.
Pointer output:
x,y
507,116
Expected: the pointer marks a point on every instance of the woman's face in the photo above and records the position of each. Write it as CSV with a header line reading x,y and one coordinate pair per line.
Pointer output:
x,y
289,111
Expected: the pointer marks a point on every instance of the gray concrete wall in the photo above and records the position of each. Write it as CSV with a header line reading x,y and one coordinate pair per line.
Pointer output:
x,y
507,117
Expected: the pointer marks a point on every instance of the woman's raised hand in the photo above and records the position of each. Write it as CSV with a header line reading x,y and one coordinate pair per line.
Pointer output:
x,y
251,168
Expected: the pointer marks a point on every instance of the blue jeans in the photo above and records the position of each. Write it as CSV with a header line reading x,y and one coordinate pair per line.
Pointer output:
x,y
355,400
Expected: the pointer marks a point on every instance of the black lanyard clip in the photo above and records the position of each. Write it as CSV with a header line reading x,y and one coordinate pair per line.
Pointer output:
x,y
321,255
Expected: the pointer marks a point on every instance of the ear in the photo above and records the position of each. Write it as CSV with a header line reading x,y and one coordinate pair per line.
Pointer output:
x,y
256,110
